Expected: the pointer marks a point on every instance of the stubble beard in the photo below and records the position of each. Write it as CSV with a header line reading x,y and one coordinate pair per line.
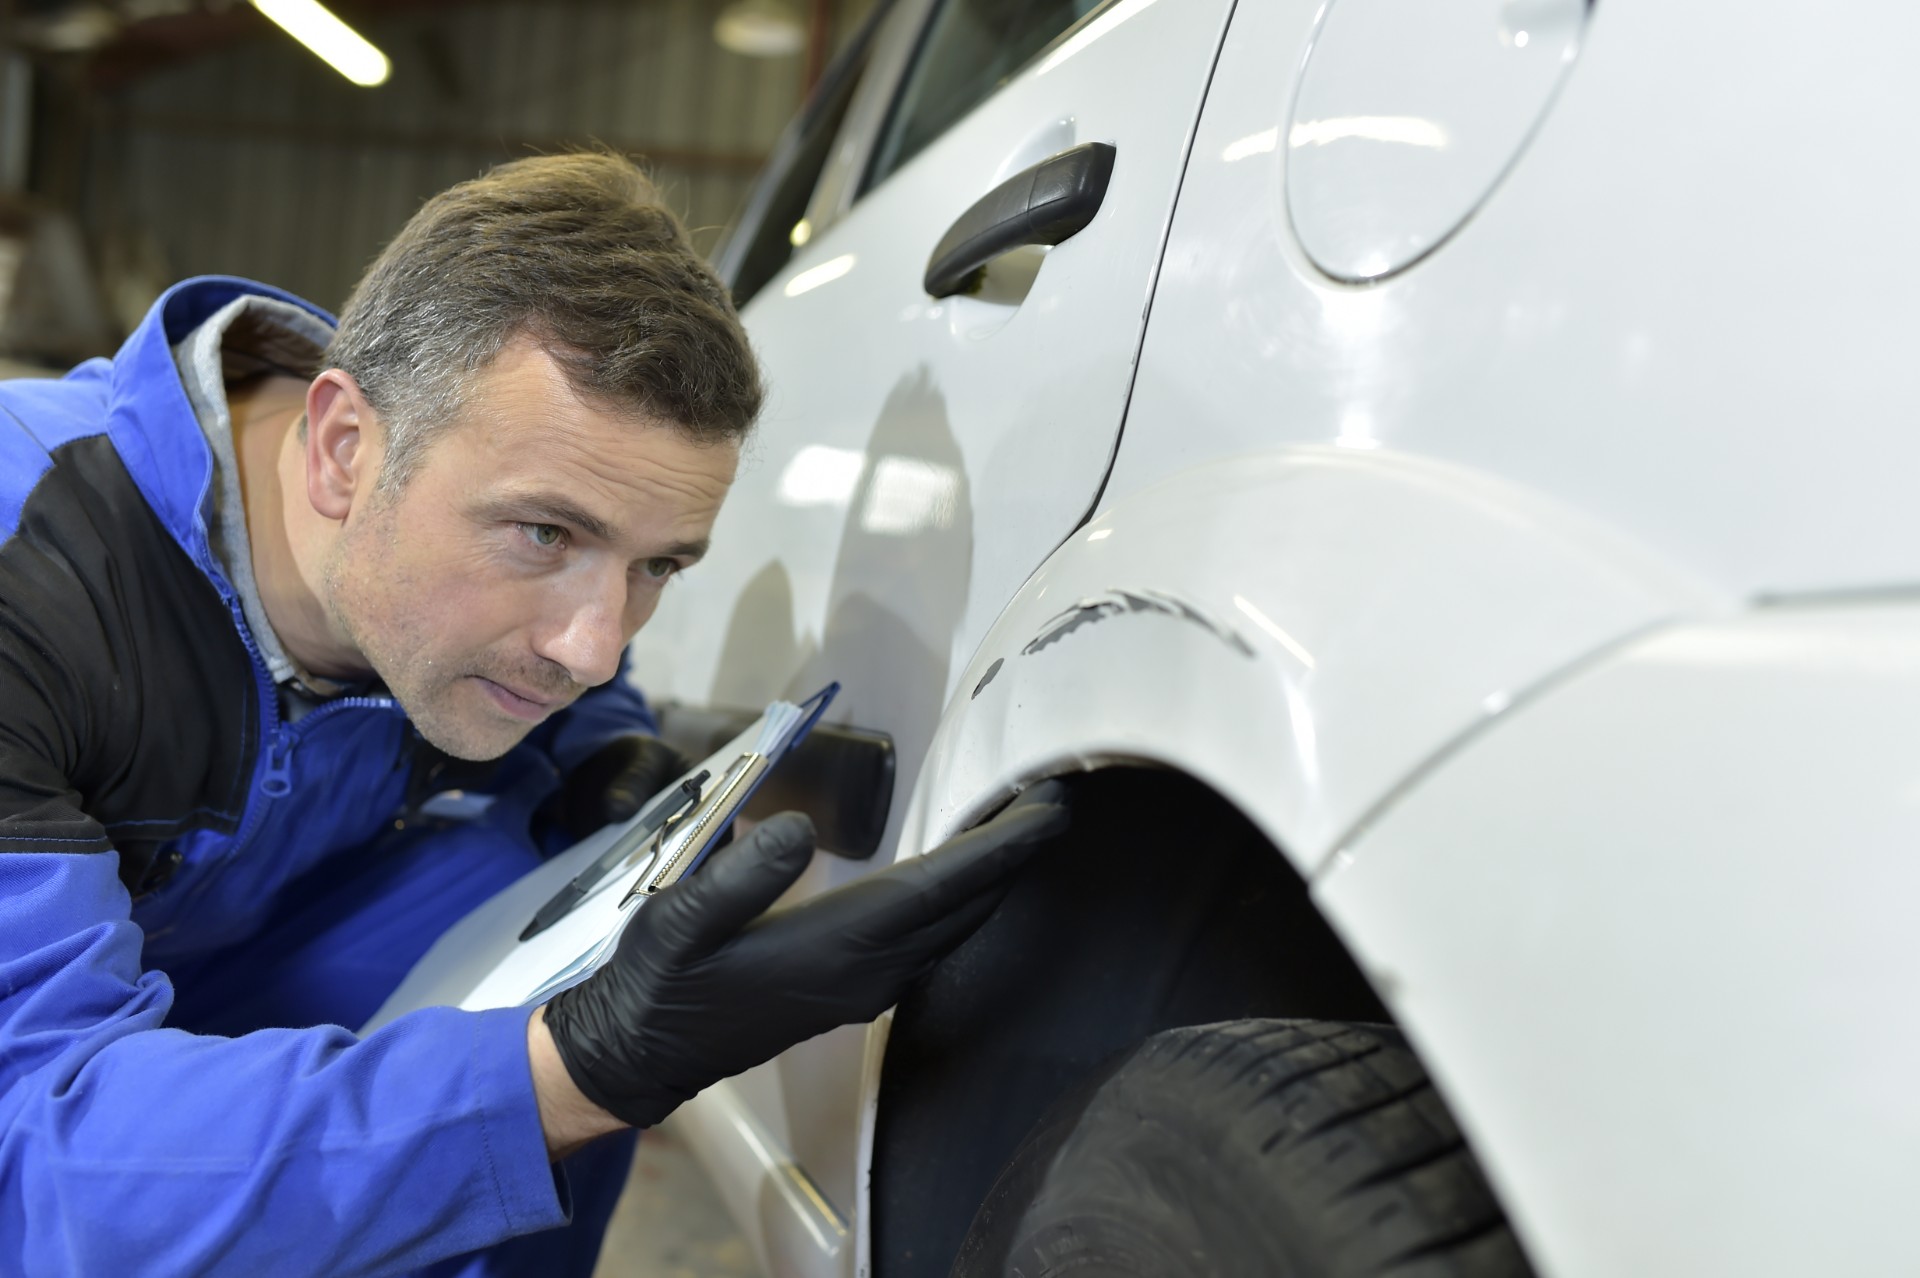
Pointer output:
x,y
370,610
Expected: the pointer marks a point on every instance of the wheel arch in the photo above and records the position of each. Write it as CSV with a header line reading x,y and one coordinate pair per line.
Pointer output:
x,y
1163,906
1334,620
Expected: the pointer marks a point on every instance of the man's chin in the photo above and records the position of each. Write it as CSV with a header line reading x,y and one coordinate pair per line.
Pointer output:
x,y
475,738
472,746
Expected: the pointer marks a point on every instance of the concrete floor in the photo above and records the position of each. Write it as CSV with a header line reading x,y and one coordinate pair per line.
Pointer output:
x,y
669,1222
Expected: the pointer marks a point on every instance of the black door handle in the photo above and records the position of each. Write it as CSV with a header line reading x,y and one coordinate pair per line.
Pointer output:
x,y
1046,204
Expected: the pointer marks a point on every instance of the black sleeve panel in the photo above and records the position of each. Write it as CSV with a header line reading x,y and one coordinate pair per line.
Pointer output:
x,y
128,706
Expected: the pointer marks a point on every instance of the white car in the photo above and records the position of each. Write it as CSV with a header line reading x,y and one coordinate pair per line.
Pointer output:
x,y
1438,476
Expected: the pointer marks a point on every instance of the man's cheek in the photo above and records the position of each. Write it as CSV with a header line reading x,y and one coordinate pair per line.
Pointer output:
x,y
475,608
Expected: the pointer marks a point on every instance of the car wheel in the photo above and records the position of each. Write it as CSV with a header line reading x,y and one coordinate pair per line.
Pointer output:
x,y
1265,1148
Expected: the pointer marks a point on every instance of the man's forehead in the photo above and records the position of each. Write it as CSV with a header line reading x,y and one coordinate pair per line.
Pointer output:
x,y
525,393
526,437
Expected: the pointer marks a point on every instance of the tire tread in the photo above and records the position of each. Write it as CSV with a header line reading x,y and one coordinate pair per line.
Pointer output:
x,y
1367,1172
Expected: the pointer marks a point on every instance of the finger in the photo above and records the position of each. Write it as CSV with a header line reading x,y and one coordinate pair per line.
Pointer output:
x,y
939,937
611,783
733,888
983,856
1051,791
905,897
913,956
656,765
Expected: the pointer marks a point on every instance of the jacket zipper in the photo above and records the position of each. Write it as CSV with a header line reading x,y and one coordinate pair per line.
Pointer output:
x,y
278,739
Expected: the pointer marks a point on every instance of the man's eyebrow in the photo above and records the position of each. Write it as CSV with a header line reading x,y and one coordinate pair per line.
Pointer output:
x,y
688,549
561,510
552,507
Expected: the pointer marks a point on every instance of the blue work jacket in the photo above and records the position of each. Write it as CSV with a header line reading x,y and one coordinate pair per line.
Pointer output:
x,y
143,755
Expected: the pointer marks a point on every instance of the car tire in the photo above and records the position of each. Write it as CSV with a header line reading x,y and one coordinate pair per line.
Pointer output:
x,y
1263,1148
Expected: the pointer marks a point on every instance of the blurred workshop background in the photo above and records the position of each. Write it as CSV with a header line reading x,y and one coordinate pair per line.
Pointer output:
x,y
142,141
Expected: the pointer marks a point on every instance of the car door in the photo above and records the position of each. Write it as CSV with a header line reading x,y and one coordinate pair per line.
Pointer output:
x,y
919,456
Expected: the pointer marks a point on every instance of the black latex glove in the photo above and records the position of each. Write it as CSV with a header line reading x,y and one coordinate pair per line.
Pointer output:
x,y
610,785
704,984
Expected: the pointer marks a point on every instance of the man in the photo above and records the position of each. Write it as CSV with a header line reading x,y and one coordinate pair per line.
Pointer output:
x,y
262,583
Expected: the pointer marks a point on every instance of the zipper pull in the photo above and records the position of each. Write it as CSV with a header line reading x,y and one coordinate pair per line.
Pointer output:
x,y
277,781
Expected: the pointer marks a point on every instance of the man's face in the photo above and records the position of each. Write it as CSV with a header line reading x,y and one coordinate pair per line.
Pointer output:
x,y
532,540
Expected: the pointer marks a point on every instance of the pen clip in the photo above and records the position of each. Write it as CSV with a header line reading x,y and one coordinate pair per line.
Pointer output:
x,y
685,802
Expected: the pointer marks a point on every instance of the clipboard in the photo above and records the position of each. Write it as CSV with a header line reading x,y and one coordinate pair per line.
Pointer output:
x,y
689,838
481,962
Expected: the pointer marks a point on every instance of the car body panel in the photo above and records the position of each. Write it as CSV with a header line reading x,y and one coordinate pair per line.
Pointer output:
x,y
793,1230
1407,115
1680,311
916,461
1301,628
1362,548
1654,936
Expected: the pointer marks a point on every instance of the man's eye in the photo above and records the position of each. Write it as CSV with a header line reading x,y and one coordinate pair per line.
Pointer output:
x,y
544,535
660,567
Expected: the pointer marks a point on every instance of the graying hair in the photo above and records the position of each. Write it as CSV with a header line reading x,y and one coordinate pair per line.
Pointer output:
x,y
576,251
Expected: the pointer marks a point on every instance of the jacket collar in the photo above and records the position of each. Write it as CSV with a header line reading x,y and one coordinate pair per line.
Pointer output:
x,y
149,418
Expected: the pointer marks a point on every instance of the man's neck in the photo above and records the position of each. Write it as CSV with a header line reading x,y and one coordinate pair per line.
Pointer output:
x,y
266,417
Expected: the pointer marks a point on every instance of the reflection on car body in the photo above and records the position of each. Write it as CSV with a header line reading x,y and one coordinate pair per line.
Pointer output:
x,y
1500,379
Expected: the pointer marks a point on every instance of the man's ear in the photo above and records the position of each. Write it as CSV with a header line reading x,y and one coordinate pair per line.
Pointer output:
x,y
343,445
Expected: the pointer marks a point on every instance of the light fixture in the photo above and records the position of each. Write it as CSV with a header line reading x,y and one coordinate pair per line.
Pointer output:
x,y
760,29
331,40
78,29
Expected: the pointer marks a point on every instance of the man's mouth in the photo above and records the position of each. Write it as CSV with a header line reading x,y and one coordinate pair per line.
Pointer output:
x,y
520,705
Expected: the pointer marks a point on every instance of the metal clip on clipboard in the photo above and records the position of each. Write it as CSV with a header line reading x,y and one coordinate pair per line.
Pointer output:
x,y
659,814
684,842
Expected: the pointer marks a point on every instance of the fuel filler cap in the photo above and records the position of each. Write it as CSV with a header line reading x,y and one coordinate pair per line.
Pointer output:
x,y
1408,114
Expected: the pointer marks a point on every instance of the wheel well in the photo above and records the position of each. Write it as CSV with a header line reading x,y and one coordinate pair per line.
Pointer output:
x,y
1162,906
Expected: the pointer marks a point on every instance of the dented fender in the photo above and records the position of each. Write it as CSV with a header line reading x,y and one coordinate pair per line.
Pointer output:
x,y
1304,629
1307,630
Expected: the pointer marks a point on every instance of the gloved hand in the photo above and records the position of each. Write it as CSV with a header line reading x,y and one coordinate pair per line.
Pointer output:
x,y
704,984
610,785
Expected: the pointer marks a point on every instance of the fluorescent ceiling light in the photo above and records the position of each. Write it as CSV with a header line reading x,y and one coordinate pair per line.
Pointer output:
x,y
760,29
332,41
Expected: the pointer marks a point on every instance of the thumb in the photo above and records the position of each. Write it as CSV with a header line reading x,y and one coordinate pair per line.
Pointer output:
x,y
735,886
898,901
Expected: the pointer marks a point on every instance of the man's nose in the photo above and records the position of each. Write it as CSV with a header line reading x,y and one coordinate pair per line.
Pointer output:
x,y
588,644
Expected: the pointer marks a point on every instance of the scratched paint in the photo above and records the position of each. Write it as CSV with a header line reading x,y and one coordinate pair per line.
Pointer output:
x,y
1119,603
987,678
